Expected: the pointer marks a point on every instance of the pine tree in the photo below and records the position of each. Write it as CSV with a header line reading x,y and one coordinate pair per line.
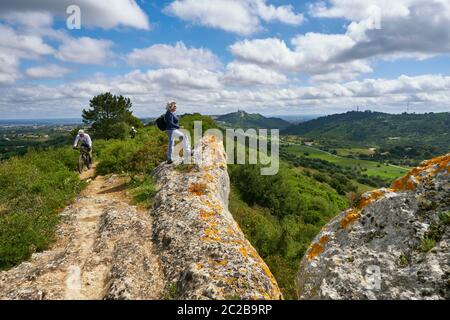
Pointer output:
x,y
110,116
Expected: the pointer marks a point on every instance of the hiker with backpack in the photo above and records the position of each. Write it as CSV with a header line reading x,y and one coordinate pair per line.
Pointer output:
x,y
170,124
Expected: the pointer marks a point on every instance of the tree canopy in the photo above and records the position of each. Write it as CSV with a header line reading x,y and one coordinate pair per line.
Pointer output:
x,y
110,116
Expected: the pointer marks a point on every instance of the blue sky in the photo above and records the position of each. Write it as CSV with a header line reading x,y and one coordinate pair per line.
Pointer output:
x,y
267,56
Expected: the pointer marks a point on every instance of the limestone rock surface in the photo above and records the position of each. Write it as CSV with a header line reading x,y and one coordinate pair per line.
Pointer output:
x,y
394,244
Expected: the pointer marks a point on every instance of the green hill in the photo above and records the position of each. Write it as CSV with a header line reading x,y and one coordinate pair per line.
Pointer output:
x,y
425,134
244,120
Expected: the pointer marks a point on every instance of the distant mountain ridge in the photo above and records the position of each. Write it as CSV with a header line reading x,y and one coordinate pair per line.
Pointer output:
x,y
379,128
244,120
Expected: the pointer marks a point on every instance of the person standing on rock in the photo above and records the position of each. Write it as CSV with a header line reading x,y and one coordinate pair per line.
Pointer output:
x,y
173,132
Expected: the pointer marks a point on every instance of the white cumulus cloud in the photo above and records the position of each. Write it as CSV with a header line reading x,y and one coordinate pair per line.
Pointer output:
x,y
177,56
51,71
313,54
250,74
105,14
406,28
238,16
85,50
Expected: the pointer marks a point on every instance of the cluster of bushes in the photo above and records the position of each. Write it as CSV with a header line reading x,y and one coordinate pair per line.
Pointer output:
x,y
135,156
405,155
33,188
338,177
187,122
280,215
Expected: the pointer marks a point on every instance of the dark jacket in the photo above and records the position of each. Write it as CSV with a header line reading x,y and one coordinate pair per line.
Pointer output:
x,y
171,121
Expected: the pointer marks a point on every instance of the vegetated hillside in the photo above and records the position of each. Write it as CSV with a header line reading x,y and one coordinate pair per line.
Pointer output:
x,y
280,215
17,141
244,120
426,134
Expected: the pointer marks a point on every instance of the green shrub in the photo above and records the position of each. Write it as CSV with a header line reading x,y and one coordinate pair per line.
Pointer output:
x,y
427,244
135,156
119,130
187,121
143,191
285,273
116,156
262,230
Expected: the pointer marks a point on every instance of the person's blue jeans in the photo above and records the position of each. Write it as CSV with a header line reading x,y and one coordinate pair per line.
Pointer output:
x,y
176,134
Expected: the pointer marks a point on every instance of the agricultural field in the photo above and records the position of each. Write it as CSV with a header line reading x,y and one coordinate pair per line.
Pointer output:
x,y
371,168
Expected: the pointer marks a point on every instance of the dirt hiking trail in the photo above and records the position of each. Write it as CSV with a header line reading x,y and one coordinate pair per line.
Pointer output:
x,y
103,250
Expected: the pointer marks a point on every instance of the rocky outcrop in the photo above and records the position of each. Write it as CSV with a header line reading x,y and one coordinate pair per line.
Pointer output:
x,y
204,254
393,245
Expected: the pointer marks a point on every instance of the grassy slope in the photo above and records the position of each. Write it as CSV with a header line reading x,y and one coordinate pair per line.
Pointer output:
x,y
34,188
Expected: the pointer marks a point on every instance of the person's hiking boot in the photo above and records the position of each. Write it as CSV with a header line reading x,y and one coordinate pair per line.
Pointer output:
x,y
169,162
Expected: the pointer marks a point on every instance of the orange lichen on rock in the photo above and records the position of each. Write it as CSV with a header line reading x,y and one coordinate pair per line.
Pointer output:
x,y
350,217
355,213
416,175
199,189
406,182
205,215
230,231
243,251
441,163
199,265
315,250
318,247
324,240
211,235
372,197
209,177
215,205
